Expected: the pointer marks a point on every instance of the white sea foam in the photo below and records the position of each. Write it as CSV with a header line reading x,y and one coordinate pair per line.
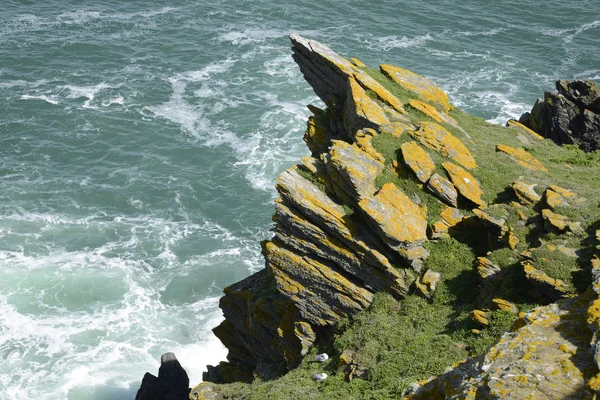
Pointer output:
x,y
388,43
250,35
91,320
48,99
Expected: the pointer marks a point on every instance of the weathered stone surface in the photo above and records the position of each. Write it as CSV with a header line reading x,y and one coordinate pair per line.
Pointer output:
x,y
554,221
357,62
427,284
400,223
495,225
480,317
553,199
361,111
172,382
317,136
522,157
486,269
412,82
443,188
356,258
505,305
466,184
437,138
307,281
525,192
364,140
547,289
517,124
352,172
570,116
451,216
540,360
382,93
418,160
432,112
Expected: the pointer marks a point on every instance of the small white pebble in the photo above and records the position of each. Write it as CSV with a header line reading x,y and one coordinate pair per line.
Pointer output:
x,y
320,377
322,357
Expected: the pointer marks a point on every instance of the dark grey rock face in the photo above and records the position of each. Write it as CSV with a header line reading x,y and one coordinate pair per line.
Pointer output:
x,y
172,382
569,116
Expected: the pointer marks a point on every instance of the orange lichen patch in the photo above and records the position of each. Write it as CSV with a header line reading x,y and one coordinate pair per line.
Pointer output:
x,y
357,62
538,276
593,313
439,230
443,188
594,383
512,122
451,216
428,282
436,137
412,82
512,240
432,112
522,157
396,129
505,305
560,222
554,199
382,93
316,137
525,192
562,191
418,160
480,317
365,107
466,184
397,218
364,140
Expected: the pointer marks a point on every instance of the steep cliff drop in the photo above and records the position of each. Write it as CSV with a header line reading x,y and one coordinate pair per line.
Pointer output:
x,y
397,180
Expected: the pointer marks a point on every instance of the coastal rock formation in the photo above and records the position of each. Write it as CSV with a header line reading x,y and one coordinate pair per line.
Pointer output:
x,y
569,116
172,382
407,197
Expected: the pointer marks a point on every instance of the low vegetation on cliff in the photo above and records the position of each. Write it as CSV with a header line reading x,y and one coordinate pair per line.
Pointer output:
x,y
430,253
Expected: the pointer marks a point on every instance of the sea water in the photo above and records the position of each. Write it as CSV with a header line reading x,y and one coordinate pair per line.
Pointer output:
x,y
140,142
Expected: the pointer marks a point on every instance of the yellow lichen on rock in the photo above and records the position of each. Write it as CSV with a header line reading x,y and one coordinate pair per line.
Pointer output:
x,y
554,199
562,191
560,222
415,83
505,305
451,216
360,105
432,112
364,140
535,135
522,157
466,184
396,129
357,62
382,93
398,219
418,160
525,192
480,317
437,138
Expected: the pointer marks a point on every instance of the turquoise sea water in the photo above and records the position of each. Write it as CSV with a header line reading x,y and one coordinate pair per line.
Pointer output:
x,y
140,141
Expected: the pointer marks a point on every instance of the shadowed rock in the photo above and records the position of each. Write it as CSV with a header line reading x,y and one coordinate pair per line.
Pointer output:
x,y
172,382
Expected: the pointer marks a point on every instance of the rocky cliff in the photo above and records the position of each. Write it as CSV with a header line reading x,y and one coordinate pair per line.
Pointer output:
x,y
406,197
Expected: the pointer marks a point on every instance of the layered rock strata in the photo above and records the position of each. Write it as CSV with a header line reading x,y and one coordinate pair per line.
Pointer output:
x,y
339,237
571,115
357,217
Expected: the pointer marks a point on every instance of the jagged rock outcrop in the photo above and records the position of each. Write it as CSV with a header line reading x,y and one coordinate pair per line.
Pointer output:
x,y
172,382
390,177
569,116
